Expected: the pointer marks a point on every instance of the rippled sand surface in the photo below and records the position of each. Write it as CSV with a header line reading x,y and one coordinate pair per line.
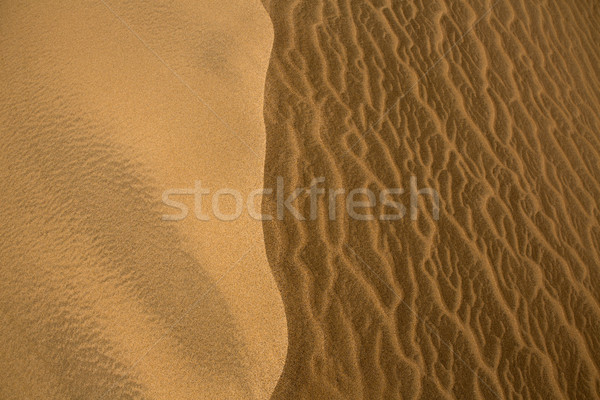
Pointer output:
x,y
497,107
104,106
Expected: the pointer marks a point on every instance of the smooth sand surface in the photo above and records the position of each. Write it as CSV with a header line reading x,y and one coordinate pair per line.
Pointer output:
x,y
500,298
99,297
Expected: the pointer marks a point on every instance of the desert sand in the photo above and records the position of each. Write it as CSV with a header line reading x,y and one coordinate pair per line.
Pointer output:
x,y
496,105
104,107
493,104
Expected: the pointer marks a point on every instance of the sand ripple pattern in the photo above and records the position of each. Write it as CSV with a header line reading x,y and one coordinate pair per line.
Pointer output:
x,y
500,298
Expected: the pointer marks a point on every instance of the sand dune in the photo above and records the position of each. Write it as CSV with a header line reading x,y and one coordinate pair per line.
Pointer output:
x,y
496,109
105,106
494,105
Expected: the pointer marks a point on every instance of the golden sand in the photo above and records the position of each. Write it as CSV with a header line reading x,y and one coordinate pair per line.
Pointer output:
x,y
105,106
494,105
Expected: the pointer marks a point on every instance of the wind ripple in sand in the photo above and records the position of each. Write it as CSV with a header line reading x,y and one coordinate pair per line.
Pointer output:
x,y
500,297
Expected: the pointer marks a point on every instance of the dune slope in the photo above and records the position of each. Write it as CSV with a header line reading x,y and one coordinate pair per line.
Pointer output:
x,y
496,105
105,105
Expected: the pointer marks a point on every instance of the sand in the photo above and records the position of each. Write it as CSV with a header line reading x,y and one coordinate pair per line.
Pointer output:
x,y
494,105
103,109
499,111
